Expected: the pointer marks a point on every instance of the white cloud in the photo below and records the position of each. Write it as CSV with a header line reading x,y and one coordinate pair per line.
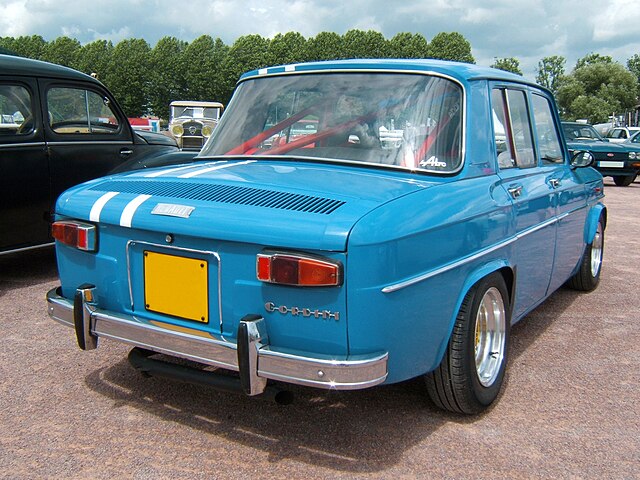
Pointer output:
x,y
523,29
620,18
14,20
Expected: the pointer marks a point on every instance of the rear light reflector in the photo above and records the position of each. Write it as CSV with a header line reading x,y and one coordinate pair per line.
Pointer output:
x,y
298,270
75,234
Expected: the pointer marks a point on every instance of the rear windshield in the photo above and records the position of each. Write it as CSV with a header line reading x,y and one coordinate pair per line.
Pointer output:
x,y
404,120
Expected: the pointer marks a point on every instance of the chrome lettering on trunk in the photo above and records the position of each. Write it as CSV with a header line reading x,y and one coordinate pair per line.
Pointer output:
x,y
302,312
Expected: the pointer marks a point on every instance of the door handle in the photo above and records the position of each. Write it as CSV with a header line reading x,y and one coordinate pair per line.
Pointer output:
x,y
125,152
515,191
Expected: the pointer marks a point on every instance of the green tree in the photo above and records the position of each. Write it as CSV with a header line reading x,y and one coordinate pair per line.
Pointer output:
x,y
550,72
6,45
203,59
408,45
288,48
509,64
29,47
63,51
325,46
94,58
166,75
451,46
128,76
596,89
633,64
361,44
593,58
248,52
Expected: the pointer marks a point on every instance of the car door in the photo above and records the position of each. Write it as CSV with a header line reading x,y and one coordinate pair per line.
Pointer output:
x,y
24,177
532,195
570,194
87,134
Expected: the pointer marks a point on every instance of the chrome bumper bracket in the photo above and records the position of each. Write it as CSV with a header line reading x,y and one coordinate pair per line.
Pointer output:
x,y
82,310
252,335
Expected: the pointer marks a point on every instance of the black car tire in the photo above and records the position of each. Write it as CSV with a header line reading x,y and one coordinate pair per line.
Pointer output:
x,y
624,180
458,384
588,276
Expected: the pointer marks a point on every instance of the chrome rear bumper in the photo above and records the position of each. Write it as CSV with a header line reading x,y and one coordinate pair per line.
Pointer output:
x,y
255,359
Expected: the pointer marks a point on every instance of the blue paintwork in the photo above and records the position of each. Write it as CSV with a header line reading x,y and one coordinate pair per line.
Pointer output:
x,y
412,244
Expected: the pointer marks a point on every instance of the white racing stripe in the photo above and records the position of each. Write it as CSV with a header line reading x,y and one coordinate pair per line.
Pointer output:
x,y
215,167
94,215
127,214
168,170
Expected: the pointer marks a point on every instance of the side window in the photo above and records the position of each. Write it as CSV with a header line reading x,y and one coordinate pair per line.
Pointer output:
x,y
79,111
512,129
504,148
546,134
16,116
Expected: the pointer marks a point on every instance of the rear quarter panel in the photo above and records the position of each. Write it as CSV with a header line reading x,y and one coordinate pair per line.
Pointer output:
x,y
444,238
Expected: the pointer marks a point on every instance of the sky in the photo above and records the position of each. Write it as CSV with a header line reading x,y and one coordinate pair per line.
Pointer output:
x,y
525,29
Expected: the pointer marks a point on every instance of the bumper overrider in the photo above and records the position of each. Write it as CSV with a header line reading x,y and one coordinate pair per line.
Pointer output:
x,y
251,355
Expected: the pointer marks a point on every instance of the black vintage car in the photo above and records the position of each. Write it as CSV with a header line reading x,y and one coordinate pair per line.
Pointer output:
x,y
58,128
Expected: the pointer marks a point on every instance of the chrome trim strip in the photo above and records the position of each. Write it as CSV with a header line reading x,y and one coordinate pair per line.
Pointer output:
x,y
94,215
445,268
343,373
129,211
18,144
25,249
89,142
132,243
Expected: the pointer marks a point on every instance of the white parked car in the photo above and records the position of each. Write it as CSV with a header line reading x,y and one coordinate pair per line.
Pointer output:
x,y
620,134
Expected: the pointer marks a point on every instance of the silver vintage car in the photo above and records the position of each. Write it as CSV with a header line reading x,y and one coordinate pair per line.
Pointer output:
x,y
192,123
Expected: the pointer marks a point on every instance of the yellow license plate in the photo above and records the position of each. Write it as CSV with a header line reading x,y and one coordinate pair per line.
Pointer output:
x,y
176,286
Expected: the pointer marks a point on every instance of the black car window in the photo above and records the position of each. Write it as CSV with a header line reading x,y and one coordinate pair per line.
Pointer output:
x,y
79,111
16,116
546,134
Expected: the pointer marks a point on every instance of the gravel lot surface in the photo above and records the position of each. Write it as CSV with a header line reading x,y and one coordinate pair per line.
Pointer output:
x,y
570,409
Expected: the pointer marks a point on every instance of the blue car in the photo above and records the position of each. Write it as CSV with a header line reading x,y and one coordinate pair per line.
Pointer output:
x,y
620,161
424,208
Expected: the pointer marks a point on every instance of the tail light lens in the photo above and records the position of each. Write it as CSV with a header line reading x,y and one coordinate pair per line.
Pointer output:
x,y
298,270
75,234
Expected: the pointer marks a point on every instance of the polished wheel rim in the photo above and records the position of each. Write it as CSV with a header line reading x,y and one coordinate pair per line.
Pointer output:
x,y
596,252
490,335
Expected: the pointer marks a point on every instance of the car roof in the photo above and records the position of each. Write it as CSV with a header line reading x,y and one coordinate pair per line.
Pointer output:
x,y
463,72
579,124
193,103
11,65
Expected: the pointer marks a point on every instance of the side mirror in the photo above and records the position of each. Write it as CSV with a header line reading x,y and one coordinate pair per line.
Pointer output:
x,y
581,159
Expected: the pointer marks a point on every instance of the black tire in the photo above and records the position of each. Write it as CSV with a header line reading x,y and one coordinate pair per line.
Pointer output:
x,y
624,180
588,276
456,385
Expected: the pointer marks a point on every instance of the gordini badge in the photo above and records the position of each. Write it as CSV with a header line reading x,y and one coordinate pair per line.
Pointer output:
x,y
302,312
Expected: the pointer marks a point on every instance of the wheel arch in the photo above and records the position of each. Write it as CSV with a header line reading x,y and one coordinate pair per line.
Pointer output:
x,y
501,267
597,211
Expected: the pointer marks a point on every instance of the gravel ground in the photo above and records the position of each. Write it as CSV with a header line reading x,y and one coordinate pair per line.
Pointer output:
x,y
570,409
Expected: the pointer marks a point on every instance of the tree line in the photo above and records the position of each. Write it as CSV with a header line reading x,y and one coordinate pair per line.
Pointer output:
x,y
146,79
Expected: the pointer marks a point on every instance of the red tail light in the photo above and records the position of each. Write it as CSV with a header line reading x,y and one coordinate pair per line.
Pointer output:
x,y
298,270
75,234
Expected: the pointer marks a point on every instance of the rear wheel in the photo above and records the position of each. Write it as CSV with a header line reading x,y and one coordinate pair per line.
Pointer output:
x,y
624,180
588,276
471,373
